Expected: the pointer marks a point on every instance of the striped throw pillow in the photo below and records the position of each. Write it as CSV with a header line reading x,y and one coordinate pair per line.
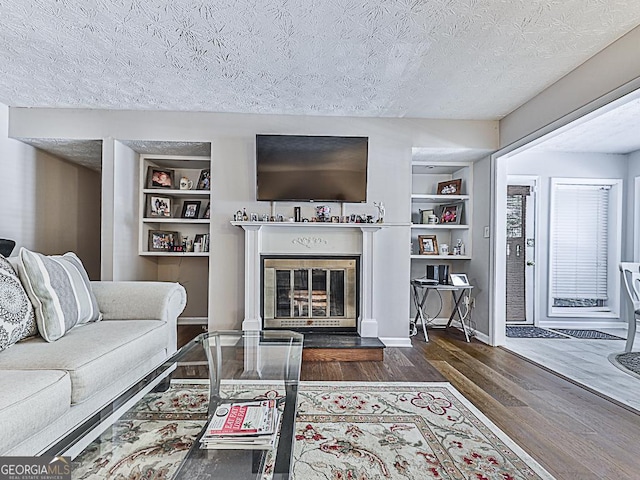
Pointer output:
x,y
60,291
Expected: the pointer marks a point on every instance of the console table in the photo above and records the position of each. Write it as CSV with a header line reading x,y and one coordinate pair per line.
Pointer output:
x,y
420,294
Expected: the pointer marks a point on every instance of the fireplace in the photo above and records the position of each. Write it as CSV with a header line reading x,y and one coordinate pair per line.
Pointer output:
x,y
310,293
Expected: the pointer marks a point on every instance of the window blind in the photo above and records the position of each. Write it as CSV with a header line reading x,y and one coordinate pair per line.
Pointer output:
x,y
580,235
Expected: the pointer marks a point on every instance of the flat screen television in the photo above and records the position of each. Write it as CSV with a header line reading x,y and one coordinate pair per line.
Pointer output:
x,y
311,168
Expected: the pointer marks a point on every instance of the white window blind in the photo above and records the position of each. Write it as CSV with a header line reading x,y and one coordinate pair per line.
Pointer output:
x,y
580,226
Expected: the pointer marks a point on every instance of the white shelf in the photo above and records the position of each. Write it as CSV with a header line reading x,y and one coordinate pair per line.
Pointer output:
x,y
440,257
438,198
175,220
177,193
174,254
437,226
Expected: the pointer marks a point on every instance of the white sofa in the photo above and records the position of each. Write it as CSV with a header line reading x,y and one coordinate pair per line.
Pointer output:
x,y
47,389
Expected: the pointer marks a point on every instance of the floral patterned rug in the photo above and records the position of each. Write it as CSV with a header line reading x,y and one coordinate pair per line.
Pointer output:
x,y
343,431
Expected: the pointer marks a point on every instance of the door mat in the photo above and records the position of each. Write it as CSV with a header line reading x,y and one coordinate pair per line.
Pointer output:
x,y
531,332
627,362
588,334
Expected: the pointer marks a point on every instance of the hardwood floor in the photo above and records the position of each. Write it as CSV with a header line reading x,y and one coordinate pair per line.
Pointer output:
x,y
573,433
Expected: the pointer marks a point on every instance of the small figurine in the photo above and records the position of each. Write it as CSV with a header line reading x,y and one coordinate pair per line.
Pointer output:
x,y
380,207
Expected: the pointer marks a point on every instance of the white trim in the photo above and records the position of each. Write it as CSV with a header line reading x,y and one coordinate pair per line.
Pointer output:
x,y
481,337
396,341
636,219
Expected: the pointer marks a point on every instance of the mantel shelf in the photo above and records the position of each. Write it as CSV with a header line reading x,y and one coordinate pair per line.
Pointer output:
x,y
359,226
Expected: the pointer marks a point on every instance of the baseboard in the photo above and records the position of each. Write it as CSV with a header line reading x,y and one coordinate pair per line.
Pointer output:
x,y
396,341
481,337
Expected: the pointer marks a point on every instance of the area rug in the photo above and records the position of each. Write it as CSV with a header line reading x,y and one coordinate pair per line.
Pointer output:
x,y
343,431
627,362
587,334
531,332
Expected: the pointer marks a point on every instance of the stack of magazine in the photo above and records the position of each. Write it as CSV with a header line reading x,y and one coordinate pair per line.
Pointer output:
x,y
250,425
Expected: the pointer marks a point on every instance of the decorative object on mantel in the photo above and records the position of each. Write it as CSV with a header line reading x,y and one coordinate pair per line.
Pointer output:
x,y
308,242
323,213
381,211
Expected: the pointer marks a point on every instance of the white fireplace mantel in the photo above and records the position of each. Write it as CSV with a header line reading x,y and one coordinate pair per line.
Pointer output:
x,y
309,238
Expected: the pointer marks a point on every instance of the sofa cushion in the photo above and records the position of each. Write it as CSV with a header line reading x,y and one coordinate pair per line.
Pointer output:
x,y
95,355
17,319
60,291
29,401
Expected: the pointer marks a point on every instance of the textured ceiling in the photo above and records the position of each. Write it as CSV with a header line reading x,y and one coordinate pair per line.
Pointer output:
x,y
476,59
613,129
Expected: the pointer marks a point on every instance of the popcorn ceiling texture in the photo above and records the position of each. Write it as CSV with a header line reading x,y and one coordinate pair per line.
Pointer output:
x,y
475,59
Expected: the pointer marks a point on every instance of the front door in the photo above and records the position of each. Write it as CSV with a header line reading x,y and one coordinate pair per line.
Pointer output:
x,y
520,252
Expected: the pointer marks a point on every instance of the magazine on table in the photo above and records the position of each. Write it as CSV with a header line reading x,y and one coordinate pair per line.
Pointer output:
x,y
250,425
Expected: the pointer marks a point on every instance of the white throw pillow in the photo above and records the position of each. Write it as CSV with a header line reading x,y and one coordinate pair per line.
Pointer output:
x,y
60,291
17,319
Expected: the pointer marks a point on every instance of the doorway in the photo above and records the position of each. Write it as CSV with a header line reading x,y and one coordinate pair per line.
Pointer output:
x,y
520,250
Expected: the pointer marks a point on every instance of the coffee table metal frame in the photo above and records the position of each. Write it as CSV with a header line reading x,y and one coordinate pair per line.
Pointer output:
x,y
79,438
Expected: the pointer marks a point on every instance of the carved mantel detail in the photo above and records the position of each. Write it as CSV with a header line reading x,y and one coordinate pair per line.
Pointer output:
x,y
309,242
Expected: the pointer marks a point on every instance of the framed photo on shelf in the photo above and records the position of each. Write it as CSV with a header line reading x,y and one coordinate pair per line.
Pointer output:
x,y
159,177
428,244
425,214
207,211
190,209
451,214
204,182
158,206
459,279
162,241
450,187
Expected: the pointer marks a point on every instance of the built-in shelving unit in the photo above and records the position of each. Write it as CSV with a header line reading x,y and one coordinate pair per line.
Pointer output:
x,y
180,227
426,176
181,223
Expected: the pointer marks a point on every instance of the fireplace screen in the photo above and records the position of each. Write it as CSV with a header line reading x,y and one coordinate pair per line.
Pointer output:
x,y
302,293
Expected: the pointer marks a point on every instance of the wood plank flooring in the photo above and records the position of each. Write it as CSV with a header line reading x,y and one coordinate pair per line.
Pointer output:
x,y
573,433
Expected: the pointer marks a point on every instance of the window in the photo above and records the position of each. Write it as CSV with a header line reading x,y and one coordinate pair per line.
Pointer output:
x,y
584,247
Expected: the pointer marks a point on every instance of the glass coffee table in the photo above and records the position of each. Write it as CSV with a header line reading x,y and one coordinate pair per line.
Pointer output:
x,y
154,429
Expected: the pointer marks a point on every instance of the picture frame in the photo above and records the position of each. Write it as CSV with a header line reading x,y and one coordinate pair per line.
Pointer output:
x,y
451,213
204,182
190,209
425,214
207,211
459,279
450,187
163,240
160,178
428,244
158,207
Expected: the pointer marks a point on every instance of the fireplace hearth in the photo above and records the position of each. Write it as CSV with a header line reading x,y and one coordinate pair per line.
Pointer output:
x,y
310,293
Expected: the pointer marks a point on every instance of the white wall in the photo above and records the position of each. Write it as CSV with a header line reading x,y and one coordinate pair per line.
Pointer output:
x,y
47,204
479,266
546,165
232,139
631,250
614,71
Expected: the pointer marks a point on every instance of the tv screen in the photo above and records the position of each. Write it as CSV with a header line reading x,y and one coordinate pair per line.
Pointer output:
x,y
311,168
